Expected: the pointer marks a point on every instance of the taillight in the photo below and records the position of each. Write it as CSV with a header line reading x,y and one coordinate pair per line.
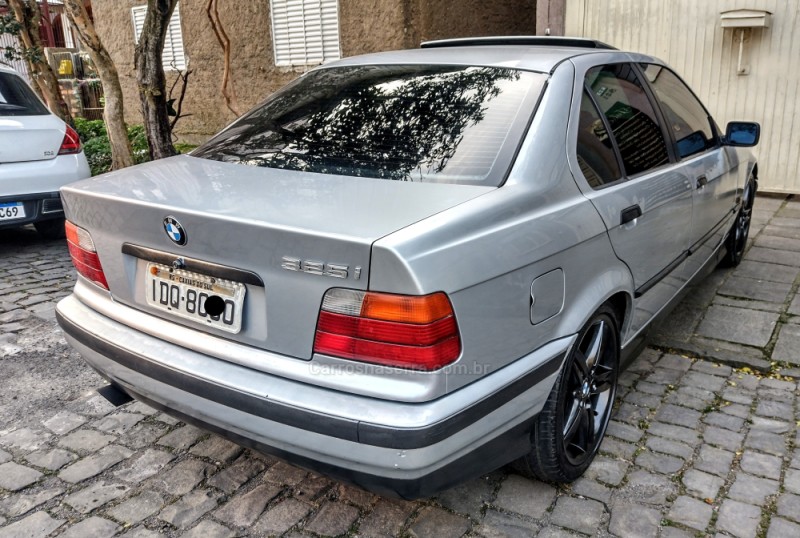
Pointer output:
x,y
417,332
71,143
84,256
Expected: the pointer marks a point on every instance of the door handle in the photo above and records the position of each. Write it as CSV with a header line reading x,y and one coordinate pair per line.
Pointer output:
x,y
702,181
631,213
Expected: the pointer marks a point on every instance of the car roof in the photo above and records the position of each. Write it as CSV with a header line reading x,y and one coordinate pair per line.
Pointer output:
x,y
541,54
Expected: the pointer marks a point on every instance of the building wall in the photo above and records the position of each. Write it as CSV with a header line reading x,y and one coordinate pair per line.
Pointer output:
x,y
364,26
373,25
687,34
441,19
252,63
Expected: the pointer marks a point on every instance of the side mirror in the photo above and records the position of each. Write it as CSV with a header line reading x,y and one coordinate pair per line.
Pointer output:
x,y
742,133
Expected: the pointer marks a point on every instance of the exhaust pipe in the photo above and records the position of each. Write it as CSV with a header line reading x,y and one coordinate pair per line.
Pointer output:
x,y
115,395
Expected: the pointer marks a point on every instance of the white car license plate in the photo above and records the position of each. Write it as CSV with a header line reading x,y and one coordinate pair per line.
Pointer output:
x,y
12,210
184,294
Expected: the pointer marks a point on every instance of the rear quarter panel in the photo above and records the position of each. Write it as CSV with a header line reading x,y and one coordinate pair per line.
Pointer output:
x,y
487,252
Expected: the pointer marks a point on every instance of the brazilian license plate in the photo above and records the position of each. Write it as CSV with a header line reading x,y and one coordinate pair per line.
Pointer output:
x,y
203,299
12,210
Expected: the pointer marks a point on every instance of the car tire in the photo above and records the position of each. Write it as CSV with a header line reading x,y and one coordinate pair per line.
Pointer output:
x,y
740,230
570,427
51,229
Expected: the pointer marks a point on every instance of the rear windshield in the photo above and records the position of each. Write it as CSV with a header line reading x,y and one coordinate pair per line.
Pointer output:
x,y
443,124
17,99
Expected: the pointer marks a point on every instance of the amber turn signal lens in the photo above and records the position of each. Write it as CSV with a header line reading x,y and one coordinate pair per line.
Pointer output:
x,y
406,309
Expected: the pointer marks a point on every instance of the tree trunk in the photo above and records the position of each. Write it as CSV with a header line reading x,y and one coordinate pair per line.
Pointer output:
x,y
151,79
31,69
114,111
29,16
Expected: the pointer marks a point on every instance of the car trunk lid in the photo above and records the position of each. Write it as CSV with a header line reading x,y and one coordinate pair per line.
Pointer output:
x,y
29,138
299,233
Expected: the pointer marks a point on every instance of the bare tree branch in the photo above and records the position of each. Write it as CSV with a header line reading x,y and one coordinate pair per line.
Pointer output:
x,y
228,91
183,77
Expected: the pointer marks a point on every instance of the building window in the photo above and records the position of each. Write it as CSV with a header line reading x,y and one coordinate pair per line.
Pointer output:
x,y
305,32
172,57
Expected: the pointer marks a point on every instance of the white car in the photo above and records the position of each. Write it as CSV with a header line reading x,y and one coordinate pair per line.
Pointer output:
x,y
39,153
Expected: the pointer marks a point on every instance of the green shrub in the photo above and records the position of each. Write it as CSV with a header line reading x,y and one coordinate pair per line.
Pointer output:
x,y
98,153
180,147
98,149
88,129
141,151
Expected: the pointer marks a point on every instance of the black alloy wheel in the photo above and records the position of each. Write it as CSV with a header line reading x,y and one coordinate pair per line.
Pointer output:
x,y
591,386
572,423
737,239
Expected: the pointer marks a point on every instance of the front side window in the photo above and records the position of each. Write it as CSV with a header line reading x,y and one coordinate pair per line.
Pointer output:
x,y
687,118
442,124
618,92
17,99
172,57
305,32
595,150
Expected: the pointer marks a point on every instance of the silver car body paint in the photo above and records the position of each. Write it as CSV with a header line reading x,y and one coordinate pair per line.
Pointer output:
x,y
483,246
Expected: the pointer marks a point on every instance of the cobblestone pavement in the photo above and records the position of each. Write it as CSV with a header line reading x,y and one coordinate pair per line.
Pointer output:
x,y
695,448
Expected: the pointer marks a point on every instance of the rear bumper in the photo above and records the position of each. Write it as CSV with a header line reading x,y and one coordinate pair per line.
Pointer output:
x,y
36,185
386,457
38,207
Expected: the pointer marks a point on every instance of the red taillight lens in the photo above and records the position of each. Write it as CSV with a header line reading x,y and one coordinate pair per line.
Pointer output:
x,y
84,256
392,330
71,143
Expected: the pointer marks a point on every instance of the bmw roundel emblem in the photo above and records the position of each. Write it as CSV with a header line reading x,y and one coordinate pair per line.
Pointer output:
x,y
175,231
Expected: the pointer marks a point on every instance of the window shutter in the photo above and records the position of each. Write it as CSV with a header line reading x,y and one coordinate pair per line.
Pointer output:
x,y
305,32
138,14
21,66
330,30
173,44
173,56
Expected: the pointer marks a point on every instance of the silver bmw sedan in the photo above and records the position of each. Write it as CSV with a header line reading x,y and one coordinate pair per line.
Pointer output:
x,y
410,268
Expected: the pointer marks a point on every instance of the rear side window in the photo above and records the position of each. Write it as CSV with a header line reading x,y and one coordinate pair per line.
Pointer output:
x,y
17,99
595,150
618,92
443,124
687,118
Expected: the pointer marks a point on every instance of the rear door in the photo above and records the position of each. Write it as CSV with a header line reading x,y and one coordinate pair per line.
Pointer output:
x,y
625,165
704,160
